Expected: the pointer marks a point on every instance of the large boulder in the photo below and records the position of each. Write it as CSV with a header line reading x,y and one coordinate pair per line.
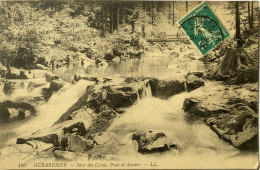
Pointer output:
x,y
231,114
193,82
168,88
55,134
121,97
152,142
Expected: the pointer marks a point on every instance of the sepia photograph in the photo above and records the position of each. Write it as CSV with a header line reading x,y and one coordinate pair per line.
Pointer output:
x,y
110,84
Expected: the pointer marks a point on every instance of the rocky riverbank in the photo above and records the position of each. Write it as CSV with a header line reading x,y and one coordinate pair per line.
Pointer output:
x,y
231,111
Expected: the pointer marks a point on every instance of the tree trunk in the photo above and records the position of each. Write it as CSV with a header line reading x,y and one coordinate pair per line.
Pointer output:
x,y
235,60
102,20
114,16
238,33
169,12
117,15
187,7
249,15
111,17
153,13
143,25
179,9
252,14
173,15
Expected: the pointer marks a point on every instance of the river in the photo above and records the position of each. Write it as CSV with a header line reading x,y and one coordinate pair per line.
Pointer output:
x,y
196,140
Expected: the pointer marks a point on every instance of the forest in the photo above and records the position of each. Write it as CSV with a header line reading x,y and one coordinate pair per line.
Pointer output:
x,y
97,81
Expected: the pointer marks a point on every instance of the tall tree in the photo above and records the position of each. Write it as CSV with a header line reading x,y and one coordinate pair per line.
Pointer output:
x,y
187,7
102,19
143,25
117,14
249,15
173,15
153,12
238,32
252,14
111,16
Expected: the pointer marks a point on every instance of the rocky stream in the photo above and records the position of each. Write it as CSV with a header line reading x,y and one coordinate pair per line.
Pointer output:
x,y
160,109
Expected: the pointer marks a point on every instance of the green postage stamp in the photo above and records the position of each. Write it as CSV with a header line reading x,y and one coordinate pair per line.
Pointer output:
x,y
204,28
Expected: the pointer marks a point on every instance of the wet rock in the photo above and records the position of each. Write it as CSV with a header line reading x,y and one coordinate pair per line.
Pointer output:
x,y
168,88
49,77
55,133
24,74
152,142
153,82
120,98
229,114
65,155
193,82
12,73
56,85
78,144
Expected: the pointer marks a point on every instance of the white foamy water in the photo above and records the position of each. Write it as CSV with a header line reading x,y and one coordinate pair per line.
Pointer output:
x,y
49,112
197,142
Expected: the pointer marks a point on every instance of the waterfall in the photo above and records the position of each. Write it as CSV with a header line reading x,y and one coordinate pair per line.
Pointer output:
x,y
58,104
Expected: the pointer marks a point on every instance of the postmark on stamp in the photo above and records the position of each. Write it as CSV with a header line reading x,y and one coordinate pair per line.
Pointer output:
x,y
204,28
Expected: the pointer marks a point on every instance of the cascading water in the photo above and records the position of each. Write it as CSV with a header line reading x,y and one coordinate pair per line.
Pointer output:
x,y
49,112
195,139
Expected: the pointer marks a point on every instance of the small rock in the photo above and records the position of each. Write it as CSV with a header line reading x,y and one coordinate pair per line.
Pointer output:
x,y
152,142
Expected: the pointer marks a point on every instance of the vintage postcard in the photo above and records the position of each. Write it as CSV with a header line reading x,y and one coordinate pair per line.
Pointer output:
x,y
90,84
